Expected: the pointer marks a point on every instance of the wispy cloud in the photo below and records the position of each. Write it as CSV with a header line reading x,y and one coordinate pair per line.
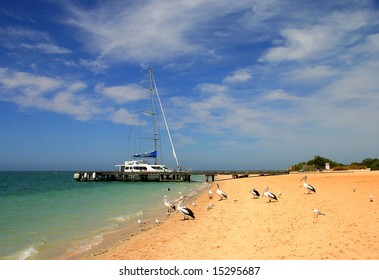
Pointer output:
x,y
150,30
16,37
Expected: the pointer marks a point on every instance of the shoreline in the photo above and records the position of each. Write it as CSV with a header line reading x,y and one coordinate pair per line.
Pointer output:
x,y
130,229
241,227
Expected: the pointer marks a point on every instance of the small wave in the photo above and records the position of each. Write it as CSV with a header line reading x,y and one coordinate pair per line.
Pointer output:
x,y
26,254
126,218
121,218
86,245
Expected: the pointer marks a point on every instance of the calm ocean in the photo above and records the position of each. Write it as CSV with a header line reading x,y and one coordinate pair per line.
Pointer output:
x,y
46,215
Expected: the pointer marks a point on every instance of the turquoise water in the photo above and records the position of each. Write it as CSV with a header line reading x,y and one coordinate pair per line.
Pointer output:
x,y
45,215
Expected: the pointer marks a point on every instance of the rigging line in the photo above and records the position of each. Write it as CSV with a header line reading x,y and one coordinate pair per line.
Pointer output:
x,y
165,121
126,142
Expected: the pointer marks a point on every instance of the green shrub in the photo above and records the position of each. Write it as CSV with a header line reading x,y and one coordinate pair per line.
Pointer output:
x,y
375,165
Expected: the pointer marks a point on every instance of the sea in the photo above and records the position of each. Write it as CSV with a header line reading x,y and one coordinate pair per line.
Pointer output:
x,y
49,215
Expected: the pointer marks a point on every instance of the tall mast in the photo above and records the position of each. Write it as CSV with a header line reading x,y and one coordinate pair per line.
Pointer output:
x,y
152,81
153,112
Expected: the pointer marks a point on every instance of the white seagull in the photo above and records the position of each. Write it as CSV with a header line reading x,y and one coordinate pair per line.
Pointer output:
x,y
269,195
170,205
186,212
354,189
210,193
371,197
307,186
255,193
157,222
220,193
209,206
140,222
317,212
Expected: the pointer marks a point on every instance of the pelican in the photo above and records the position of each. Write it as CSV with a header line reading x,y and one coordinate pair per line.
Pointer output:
x,y
220,193
307,186
269,195
186,212
210,193
255,193
170,205
317,212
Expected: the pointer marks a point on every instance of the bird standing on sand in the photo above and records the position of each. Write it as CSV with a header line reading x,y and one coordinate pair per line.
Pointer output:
x,y
269,195
209,206
170,205
308,187
221,193
210,193
317,212
140,223
186,212
371,197
255,193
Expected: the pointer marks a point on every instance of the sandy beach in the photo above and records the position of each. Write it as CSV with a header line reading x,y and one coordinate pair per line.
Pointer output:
x,y
244,228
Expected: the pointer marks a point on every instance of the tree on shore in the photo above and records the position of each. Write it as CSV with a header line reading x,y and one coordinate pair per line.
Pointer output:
x,y
318,163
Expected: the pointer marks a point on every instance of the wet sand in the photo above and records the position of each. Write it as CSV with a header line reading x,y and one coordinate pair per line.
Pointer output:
x,y
244,228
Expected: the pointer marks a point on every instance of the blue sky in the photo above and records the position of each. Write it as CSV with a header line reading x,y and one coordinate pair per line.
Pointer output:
x,y
244,84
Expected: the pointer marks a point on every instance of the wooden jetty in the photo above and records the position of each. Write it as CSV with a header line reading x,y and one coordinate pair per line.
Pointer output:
x,y
171,176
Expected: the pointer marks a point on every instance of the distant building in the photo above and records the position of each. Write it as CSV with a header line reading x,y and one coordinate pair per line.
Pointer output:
x,y
327,165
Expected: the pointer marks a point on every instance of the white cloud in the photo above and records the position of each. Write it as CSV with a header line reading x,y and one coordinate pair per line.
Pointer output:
x,y
332,33
311,73
241,75
300,44
212,88
122,116
28,83
46,93
76,86
123,94
279,94
70,104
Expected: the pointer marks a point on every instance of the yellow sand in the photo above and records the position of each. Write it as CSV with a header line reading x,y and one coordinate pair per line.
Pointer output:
x,y
241,227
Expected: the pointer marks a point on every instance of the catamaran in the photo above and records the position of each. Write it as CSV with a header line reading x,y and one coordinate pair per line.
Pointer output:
x,y
138,165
